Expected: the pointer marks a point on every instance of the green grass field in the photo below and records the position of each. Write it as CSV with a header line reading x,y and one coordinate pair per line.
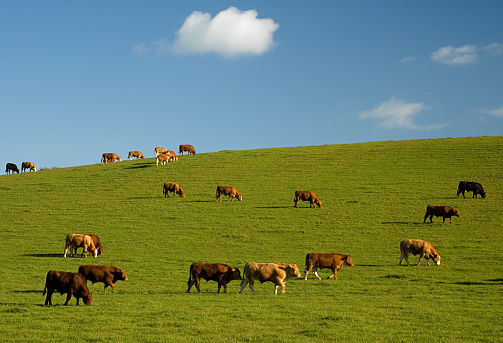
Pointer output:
x,y
374,195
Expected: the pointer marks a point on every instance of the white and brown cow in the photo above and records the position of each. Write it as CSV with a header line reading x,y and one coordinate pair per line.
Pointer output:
x,y
419,247
440,211
171,156
136,154
74,240
28,165
323,260
160,150
307,196
278,273
221,273
163,158
232,192
110,157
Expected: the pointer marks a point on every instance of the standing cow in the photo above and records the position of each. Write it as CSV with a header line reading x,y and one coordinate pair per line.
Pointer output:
x,y
163,158
10,168
419,247
109,275
67,282
110,157
173,188
96,241
475,187
136,154
307,196
221,273
28,165
188,148
440,211
278,273
160,150
74,240
232,192
331,261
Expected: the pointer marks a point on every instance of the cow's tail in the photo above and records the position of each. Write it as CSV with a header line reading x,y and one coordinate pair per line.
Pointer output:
x,y
45,287
191,276
307,263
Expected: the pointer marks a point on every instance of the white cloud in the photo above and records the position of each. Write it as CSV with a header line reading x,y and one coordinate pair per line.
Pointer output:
x,y
396,113
408,59
450,55
495,49
230,33
497,112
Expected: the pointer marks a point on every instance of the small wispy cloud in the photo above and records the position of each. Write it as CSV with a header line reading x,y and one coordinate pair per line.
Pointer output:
x,y
231,33
408,59
397,113
467,54
495,49
497,112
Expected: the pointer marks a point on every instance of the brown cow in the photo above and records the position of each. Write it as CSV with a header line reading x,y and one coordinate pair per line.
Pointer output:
x,y
136,154
106,274
307,196
163,158
322,260
110,157
28,165
232,192
160,150
418,246
67,282
467,186
186,147
10,168
171,156
278,273
440,211
173,188
77,240
221,273
97,244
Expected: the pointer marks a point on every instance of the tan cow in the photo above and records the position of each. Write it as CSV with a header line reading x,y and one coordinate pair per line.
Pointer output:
x,y
419,247
307,196
440,211
173,188
78,239
278,273
28,165
110,157
322,260
163,158
160,150
232,192
186,147
136,154
171,156
97,244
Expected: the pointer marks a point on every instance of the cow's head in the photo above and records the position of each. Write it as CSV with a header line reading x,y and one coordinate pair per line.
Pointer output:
x,y
318,202
483,194
87,297
349,261
435,258
455,212
236,274
240,197
181,193
122,274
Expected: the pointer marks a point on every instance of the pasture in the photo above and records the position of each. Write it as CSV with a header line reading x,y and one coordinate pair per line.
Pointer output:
x,y
373,196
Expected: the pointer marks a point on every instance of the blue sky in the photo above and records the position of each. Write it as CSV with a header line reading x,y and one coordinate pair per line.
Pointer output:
x,y
80,78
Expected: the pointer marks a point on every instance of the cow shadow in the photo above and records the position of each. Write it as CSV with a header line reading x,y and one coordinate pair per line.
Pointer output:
x,y
141,166
44,255
264,207
401,223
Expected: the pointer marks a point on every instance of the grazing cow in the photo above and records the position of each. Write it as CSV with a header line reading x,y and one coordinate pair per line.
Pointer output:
x,y
278,273
322,260
440,211
77,240
221,273
10,168
232,192
171,156
136,154
110,157
67,282
418,246
173,188
186,147
160,150
97,244
28,165
475,187
106,274
307,196
163,158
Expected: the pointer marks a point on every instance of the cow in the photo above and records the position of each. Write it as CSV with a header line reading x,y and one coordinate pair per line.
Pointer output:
x,y
278,273
67,282
136,154
160,150
106,274
322,260
418,247
186,147
173,188
163,158
440,211
221,273
110,157
28,165
171,156
307,196
77,240
232,192
475,187
10,168
97,244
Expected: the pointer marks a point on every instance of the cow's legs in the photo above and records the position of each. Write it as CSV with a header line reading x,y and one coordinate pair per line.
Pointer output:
x,y
315,272
420,259
68,297
306,271
48,299
243,285
334,275
198,281
280,283
251,284
66,249
404,256
190,283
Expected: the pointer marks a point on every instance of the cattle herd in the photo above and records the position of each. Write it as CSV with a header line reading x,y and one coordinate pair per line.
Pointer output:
x,y
75,284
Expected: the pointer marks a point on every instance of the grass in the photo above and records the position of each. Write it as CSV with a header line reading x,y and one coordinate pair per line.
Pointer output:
x,y
374,195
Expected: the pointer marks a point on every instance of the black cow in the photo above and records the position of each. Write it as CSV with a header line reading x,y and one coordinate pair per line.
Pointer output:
x,y
11,168
475,187
67,282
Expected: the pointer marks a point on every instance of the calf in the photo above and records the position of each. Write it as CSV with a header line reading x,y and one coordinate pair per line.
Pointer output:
x,y
419,247
74,240
331,261
186,147
307,196
136,154
28,165
232,192
475,187
440,211
221,273
106,274
278,273
10,168
173,188
66,282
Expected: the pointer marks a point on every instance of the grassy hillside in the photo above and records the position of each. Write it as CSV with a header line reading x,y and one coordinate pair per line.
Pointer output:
x,y
374,195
